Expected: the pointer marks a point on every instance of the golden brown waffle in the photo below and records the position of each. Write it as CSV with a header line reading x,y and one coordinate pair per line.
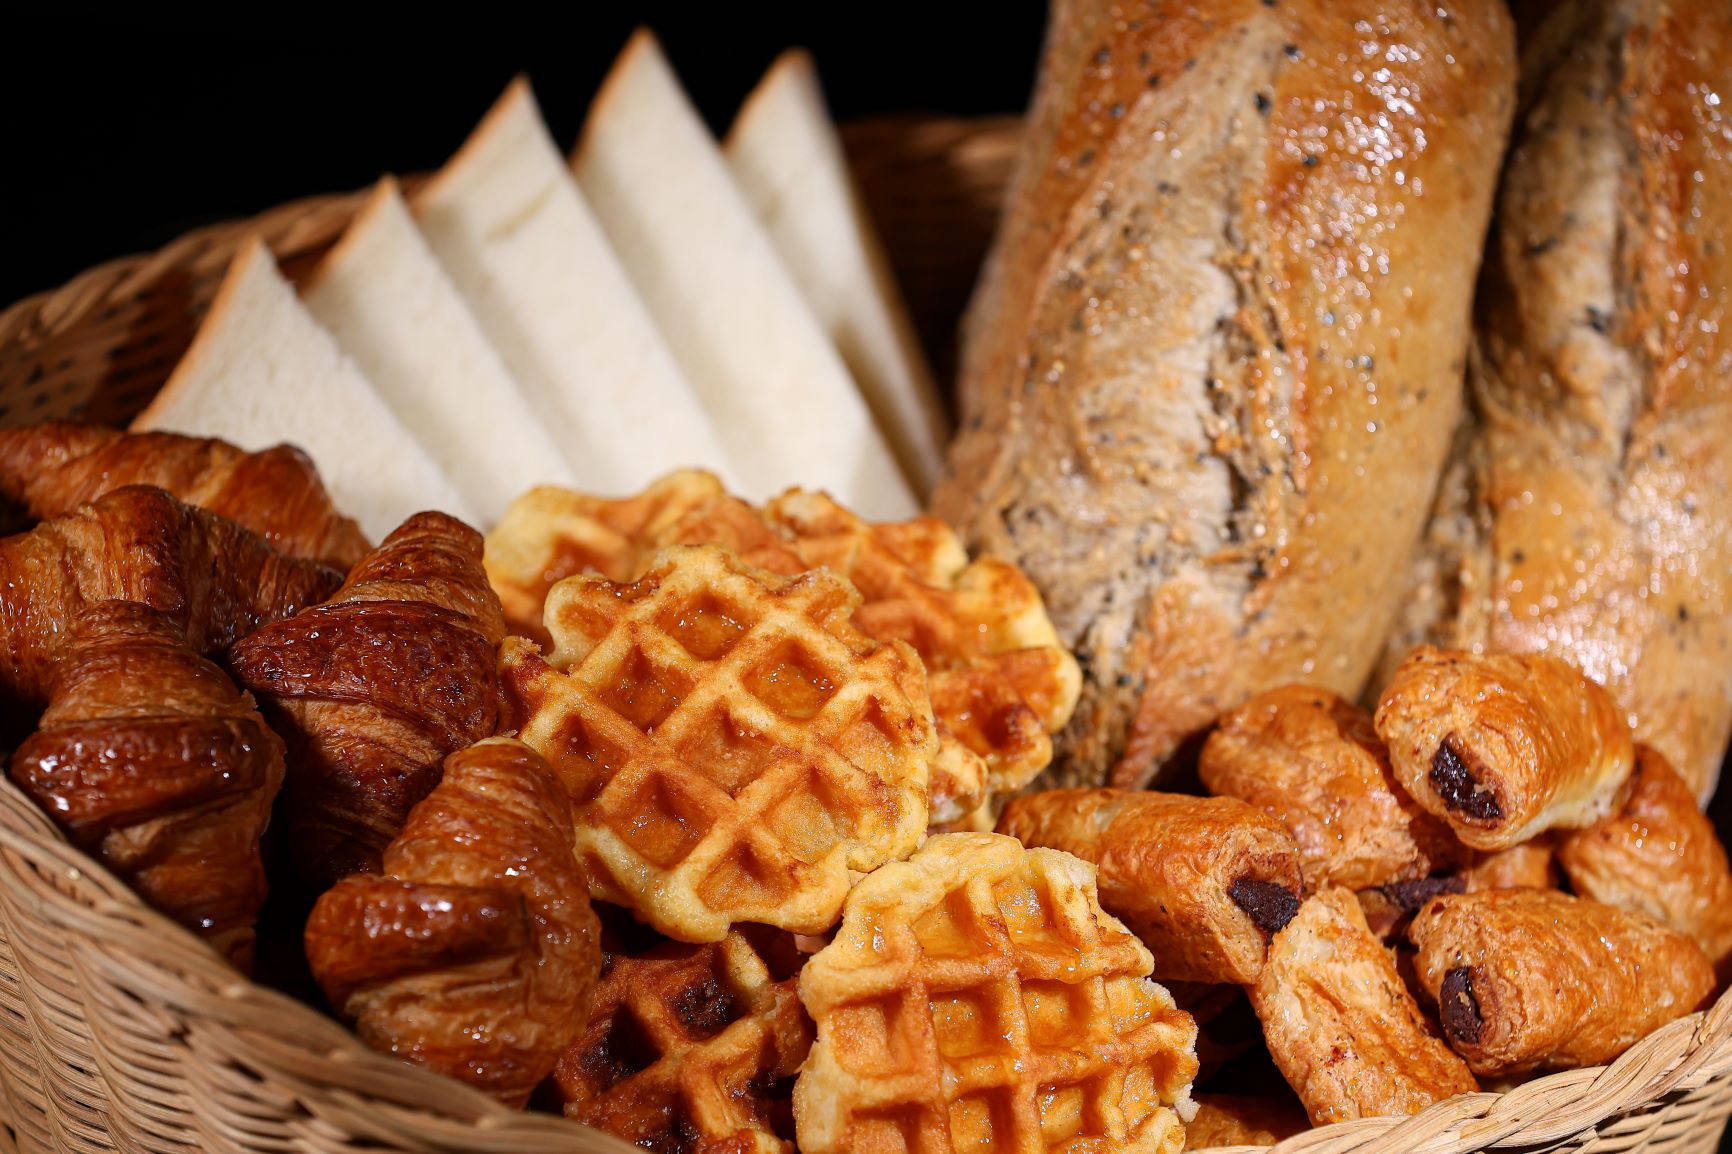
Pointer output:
x,y
977,997
691,1049
734,745
549,534
1000,681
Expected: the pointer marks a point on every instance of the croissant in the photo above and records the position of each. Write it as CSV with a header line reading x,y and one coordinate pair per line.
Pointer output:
x,y
216,581
477,953
54,467
151,760
374,688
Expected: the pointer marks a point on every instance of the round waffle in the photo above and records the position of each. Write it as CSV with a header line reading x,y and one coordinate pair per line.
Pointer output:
x,y
734,745
691,1049
977,997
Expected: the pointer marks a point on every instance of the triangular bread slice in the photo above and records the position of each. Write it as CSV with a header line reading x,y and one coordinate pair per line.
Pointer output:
x,y
788,161
506,220
261,371
382,294
780,395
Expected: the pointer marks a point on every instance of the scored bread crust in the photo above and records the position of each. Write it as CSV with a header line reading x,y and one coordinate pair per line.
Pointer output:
x,y
1214,361
1591,514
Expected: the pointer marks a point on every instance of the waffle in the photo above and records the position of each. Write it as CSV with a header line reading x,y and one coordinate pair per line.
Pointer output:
x,y
691,1049
1001,683
977,997
734,745
549,534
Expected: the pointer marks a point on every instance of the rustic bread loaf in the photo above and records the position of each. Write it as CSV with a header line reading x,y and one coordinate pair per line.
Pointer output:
x,y
1213,364
1590,511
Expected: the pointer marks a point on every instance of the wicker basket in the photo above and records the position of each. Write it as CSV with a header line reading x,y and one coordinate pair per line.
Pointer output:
x,y
120,1031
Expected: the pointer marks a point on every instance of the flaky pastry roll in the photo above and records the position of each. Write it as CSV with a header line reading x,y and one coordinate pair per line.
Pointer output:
x,y
1339,1021
1314,763
1242,1120
1528,979
1658,855
1203,881
1532,865
1502,746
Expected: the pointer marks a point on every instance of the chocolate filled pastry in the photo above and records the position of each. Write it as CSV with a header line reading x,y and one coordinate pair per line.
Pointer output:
x,y
1504,747
1531,865
1314,763
53,467
1339,1021
476,952
215,581
154,763
1203,880
1658,855
1531,979
375,688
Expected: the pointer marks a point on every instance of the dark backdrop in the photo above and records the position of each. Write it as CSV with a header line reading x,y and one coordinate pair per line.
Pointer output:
x,y
124,131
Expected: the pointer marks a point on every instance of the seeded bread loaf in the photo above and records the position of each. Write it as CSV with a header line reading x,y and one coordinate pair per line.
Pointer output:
x,y
1213,363
1589,512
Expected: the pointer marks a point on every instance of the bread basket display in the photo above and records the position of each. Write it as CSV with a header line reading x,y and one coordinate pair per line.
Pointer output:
x,y
1457,883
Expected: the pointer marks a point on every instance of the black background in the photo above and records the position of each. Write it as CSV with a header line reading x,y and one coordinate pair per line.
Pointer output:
x,y
124,131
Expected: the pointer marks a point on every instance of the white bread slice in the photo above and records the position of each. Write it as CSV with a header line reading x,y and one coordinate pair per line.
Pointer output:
x,y
261,371
780,395
506,220
788,162
382,294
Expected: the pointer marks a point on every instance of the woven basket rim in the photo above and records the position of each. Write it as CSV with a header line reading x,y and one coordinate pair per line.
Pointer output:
x,y
339,1081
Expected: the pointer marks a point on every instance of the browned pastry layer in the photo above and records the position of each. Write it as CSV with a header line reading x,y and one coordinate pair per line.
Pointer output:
x,y
1340,1024
1504,747
1530,865
1529,978
1314,763
1594,521
1203,880
54,467
476,953
150,759
1658,855
1242,1120
1213,363
215,580
376,687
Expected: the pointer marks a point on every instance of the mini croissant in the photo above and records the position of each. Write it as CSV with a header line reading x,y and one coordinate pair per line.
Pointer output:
x,y
213,579
54,467
150,759
476,953
374,688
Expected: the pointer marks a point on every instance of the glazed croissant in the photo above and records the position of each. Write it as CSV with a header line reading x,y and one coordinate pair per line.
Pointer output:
x,y
150,759
374,688
213,579
477,953
54,467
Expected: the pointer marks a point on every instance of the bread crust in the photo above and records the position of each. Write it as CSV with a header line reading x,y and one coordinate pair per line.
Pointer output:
x,y
1314,763
1504,747
1203,880
1530,979
1340,1024
1202,419
1594,520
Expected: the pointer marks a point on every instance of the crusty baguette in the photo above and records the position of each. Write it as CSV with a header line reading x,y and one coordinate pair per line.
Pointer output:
x,y
1212,367
261,371
382,294
787,160
784,403
508,223
1591,516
